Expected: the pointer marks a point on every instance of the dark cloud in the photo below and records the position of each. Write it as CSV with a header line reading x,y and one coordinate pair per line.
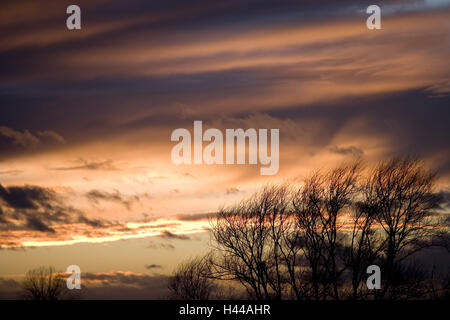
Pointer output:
x,y
24,139
106,165
196,217
108,285
37,209
39,95
166,246
9,289
52,135
27,139
152,266
120,278
443,197
96,223
33,223
96,195
409,122
27,197
169,235
351,150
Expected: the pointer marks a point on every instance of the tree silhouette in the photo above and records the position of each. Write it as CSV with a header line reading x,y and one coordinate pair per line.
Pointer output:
x,y
192,281
44,283
318,205
399,193
256,244
315,240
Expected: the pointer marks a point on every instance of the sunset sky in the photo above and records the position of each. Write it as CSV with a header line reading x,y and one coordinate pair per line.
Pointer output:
x,y
86,176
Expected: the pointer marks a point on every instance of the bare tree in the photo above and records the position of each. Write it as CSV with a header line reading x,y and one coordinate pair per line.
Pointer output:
x,y
192,280
316,240
251,238
401,193
44,283
319,204
307,206
364,247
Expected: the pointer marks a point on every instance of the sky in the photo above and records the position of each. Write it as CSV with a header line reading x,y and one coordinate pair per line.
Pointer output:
x,y
86,117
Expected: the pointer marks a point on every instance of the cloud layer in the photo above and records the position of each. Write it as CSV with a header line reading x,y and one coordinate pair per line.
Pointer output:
x,y
86,116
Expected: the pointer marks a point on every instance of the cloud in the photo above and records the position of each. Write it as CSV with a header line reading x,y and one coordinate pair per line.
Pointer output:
x,y
27,197
322,81
96,195
124,285
33,216
9,289
166,246
121,278
33,223
25,139
105,285
96,223
277,62
169,235
443,197
34,208
52,134
415,5
152,266
351,150
106,165
196,216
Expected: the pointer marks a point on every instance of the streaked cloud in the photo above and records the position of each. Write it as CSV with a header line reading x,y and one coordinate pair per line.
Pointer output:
x,y
96,195
27,139
169,235
86,116
357,152
152,266
106,165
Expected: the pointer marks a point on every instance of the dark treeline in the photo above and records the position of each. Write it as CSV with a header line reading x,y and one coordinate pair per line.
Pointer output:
x,y
315,240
